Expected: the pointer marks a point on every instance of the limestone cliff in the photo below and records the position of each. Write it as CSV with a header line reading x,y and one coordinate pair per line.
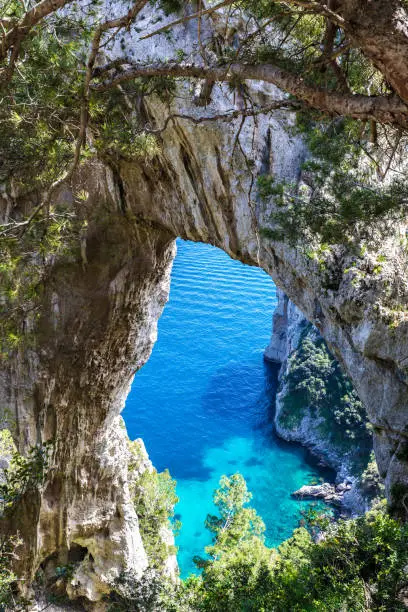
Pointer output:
x,y
97,312
314,426
288,323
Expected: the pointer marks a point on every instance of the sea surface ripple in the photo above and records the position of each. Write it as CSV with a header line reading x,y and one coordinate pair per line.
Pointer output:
x,y
203,403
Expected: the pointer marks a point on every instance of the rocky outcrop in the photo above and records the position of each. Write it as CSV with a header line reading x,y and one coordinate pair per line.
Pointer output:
x,y
306,426
288,323
99,305
97,328
327,492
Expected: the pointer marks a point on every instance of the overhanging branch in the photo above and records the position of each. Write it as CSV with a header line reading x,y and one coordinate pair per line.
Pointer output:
x,y
229,115
384,109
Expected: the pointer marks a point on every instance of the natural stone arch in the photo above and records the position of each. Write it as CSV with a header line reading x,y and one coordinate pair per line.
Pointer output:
x,y
99,315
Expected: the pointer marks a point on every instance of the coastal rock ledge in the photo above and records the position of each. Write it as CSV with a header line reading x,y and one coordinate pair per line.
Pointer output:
x,y
331,494
313,428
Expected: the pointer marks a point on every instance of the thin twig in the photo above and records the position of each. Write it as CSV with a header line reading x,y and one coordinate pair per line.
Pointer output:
x,y
188,18
229,115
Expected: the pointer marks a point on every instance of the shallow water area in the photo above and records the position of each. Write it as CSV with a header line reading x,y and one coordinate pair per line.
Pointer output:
x,y
203,403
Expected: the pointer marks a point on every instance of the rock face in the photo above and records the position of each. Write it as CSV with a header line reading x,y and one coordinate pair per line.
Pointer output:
x,y
97,328
289,325
326,492
98,317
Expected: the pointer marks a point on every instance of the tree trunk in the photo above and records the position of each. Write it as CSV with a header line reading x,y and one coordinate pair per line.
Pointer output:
x,y
380,29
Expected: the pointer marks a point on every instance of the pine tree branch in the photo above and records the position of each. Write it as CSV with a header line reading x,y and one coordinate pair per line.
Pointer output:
x,y
20,30
230,114
384,109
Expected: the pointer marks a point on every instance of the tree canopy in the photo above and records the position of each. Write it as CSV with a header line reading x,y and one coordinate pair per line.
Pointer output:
x,y
68,92
356,564
316,50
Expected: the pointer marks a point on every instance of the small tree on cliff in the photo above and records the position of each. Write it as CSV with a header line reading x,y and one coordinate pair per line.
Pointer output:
x,y
237,556
236,525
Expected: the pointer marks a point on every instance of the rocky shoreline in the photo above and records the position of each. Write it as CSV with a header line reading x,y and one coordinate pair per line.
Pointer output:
x,y
346,493
331,494
351,500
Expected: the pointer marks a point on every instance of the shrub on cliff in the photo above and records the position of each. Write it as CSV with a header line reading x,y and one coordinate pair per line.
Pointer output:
x,y
9,601
22,477
154,497
355,565
371,483
315,384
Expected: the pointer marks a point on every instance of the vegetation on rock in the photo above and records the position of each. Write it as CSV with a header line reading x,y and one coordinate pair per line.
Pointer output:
x,y
23,474
354,565
9,599
314,385
371,484
344,194
154,497
21,477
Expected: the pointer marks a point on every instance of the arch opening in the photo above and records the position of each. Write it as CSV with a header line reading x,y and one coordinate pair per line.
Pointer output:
x,y
204,402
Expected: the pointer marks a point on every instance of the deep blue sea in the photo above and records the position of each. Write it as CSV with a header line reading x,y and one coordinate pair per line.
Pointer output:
x,y
204,402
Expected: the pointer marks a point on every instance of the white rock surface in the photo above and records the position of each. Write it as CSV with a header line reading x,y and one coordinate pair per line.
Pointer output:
x,y
287,324
287,327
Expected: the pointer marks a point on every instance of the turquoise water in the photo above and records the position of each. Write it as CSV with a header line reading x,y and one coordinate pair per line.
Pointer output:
x,y
203,403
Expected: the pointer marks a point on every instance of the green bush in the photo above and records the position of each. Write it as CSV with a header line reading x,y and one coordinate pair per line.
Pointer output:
x,y
370,481
23,475
354,565
154,497
345,200
315,384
